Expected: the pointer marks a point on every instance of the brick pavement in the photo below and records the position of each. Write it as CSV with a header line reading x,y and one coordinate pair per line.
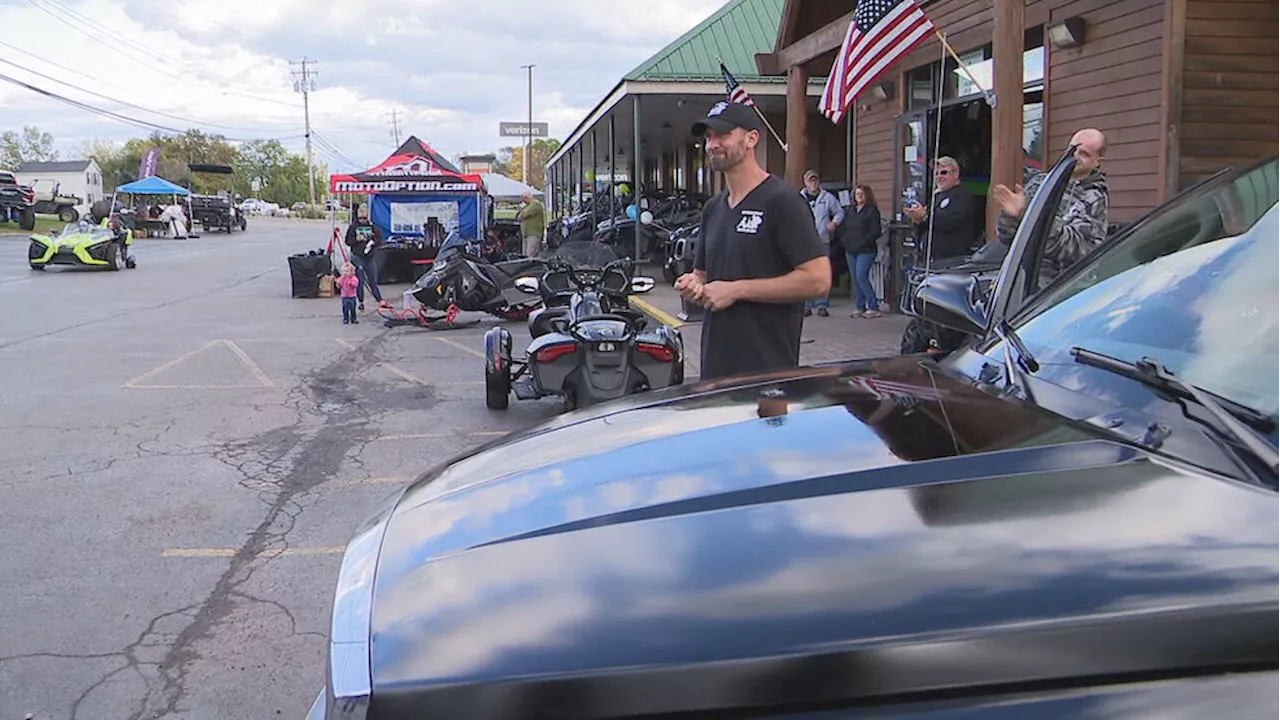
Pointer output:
x,y
828,339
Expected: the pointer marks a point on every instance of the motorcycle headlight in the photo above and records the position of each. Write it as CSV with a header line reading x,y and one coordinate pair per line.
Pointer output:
x,y
350,678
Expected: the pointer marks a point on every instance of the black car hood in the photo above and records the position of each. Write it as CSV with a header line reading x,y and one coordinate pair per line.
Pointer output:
x,y
851,507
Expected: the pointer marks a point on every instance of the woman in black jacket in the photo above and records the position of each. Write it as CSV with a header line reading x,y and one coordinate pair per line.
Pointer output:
x,y
858,234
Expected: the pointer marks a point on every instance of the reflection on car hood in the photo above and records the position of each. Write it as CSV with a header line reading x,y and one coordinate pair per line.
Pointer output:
x,y
879,500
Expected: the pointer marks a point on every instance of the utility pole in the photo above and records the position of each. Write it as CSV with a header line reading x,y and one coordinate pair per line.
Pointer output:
x,y
529,130
304,82
395,126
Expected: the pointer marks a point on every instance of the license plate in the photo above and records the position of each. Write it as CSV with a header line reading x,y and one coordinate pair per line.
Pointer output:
x,y
606,347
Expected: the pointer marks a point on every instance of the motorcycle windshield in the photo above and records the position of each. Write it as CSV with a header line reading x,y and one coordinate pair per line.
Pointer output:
x,y
452,243
586,254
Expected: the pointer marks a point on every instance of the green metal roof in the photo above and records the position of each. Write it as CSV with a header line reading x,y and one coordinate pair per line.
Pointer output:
x,y
735,33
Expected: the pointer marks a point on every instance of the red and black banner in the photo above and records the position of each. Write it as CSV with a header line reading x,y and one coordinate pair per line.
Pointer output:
x,y
414,168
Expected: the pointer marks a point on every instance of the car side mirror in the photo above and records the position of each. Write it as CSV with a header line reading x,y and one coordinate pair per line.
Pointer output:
x,y
527,284
642,284
948,300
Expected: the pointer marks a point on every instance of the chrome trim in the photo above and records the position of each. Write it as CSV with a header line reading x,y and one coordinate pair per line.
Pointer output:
x,y
317,711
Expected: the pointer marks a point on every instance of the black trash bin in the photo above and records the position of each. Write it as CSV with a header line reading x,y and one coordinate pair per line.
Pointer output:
x,y
305,272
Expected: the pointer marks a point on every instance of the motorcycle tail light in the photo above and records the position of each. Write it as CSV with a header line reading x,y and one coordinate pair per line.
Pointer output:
x,y
555,352
661,353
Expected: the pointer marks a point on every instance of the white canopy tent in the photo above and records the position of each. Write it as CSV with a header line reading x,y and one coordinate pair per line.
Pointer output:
x,y
501,187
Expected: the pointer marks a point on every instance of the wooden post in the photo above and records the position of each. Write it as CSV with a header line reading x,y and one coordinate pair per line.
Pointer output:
x,y
1006,120
797,124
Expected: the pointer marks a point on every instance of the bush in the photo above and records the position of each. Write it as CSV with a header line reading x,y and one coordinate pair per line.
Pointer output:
x,y
311,213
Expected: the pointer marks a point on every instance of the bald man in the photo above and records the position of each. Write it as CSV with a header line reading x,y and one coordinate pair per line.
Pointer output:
x,y
1081,222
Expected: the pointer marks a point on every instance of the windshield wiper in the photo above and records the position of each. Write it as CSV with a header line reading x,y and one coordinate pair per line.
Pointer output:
x,y
1235,419
1014,368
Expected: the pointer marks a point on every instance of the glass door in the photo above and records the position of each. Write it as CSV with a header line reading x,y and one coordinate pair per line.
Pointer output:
x,y
912,179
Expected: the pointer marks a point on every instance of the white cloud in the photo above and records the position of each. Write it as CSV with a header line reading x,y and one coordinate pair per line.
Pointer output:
x,y
451,69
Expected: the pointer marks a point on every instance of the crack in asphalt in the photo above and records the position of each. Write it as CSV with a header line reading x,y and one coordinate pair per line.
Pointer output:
x,y
282,465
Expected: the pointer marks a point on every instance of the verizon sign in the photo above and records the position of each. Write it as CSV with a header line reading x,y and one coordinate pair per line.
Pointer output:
x,y
519,129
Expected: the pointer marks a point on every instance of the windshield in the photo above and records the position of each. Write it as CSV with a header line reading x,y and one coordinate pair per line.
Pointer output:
x,y
1195,287
83,227
586,254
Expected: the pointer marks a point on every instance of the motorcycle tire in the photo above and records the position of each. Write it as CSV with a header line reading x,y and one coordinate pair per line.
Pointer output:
x,y
915,338
497,369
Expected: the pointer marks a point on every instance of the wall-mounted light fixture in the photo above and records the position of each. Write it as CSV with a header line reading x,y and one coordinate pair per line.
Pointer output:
x,y
883,90
1067,33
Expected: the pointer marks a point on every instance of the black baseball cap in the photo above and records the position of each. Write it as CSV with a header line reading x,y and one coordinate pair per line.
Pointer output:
x,y
725,116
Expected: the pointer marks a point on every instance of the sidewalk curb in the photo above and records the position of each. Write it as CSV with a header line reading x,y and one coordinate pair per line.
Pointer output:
x,y
656,313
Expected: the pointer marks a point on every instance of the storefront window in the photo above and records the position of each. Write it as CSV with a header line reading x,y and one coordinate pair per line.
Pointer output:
x,y
920,86
1033,131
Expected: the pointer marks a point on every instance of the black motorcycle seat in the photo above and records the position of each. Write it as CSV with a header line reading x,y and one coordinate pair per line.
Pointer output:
x,y
540,321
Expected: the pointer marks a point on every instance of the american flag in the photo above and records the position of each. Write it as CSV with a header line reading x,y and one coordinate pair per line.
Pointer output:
x,y
881,33
734,90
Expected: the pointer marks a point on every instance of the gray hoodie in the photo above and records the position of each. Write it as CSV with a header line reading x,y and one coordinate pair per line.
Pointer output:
x,y
826,208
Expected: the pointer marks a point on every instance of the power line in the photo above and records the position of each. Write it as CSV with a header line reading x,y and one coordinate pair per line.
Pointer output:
x,y
145,124
224,26
304,82
323,141
122,102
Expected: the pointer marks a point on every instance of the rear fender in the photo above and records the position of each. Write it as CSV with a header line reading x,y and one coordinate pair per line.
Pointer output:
x,y
497,350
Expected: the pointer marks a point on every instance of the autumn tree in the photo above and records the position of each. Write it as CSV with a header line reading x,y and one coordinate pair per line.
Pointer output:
x,y
510,161
30,145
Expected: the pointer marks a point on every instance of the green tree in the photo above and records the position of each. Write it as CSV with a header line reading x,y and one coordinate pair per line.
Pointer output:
x,y
30,145
510,160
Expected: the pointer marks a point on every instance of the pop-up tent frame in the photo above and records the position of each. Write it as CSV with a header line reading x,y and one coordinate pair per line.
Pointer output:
x,y
415,174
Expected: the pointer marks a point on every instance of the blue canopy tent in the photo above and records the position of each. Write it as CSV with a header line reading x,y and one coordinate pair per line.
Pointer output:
x,y
152,186
164,225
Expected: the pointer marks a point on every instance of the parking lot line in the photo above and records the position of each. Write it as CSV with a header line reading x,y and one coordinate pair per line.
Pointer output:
x,y
245,360
460,346
249,363
230,552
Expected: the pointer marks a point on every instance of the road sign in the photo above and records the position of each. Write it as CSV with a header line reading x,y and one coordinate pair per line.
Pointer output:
x,y
519,129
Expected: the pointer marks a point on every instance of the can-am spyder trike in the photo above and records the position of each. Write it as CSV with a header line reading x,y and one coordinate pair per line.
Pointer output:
x,y
588,345
461,279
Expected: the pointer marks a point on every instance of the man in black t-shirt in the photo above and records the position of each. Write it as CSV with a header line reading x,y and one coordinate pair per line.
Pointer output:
x,y
759,258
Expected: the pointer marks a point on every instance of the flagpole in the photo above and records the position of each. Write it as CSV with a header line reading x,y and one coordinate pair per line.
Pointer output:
x,y
991,100
762,117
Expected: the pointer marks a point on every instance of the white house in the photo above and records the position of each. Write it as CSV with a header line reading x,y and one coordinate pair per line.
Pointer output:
x,y
81,178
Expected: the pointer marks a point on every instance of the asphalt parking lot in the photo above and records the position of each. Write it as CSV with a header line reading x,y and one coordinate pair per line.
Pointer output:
x,y
184,452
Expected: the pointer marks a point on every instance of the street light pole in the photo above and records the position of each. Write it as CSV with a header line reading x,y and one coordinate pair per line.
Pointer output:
x,y
529,130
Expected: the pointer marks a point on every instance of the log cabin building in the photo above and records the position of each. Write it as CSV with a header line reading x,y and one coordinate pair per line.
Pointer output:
x,y
1181,88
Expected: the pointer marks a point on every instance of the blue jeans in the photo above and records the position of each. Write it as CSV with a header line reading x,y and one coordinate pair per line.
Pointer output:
x,y
864,295
349,311
367,271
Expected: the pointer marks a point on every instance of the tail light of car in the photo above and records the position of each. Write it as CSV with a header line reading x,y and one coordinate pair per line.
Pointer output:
x,y
661,353
552,353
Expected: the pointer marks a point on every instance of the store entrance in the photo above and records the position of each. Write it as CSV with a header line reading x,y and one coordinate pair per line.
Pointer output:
x,y
966,136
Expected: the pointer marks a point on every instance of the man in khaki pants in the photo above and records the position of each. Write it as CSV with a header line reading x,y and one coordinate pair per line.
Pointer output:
x,y
533,224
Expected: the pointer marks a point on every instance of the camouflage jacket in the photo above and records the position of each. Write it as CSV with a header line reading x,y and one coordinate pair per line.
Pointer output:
x,y
1079,226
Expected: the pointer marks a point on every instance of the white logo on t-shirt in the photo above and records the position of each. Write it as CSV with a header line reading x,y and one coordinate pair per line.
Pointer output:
x,y
751,220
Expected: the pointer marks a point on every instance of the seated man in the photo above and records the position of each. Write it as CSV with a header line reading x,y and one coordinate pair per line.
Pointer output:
x,y
1080,224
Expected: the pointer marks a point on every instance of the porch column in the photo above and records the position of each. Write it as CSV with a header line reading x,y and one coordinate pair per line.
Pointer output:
x,y
1006,118
639,173
797,124
595,204
613,168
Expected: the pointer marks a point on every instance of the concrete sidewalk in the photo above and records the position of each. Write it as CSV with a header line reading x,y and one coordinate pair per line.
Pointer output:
x,y
824,339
